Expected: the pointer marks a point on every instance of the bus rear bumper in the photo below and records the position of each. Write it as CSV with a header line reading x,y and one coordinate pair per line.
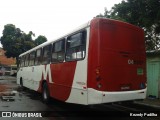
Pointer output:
x,y
97,97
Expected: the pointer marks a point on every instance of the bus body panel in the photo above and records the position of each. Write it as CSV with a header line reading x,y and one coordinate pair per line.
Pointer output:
x,y
59,78
116,61
122,57
99,97
79,92
62,76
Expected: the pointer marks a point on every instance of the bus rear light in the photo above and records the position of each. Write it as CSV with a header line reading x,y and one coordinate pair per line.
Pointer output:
x,y
99,85
97,71
98,78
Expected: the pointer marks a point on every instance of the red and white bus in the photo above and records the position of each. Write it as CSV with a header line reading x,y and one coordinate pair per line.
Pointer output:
x,y
100,62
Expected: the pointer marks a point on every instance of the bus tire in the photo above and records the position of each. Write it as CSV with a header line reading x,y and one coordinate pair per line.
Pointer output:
x,y
45,93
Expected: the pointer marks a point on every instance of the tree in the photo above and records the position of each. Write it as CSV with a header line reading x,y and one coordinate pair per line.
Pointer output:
x,y
143,13
40,39
15,41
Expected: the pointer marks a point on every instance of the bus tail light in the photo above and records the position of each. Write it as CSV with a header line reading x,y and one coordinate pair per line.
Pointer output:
x,y
97,71
99,85
98,77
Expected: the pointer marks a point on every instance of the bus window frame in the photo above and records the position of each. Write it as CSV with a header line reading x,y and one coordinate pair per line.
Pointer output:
x,y
84,33
40,58
19,62
32,59
27,57
60,51
44,62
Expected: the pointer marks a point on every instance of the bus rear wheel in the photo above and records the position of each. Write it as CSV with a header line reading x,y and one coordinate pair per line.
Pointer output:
x,y
45,93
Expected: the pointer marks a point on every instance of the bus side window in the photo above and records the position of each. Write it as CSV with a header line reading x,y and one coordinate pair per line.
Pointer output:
x,y
32,57
26,63
38,57
76,46
58,51
21,62
46,54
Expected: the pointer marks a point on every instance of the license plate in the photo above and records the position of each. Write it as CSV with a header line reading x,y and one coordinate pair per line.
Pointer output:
x,y
125,87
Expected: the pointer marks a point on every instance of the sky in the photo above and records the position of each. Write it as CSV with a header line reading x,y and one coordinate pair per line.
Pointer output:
x,y
51,18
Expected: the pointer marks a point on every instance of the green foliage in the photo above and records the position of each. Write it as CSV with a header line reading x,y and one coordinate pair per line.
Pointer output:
x,y
15,41
143,13
40,39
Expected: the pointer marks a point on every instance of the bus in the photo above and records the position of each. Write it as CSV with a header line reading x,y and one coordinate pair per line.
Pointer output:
x,y
102,61
13,71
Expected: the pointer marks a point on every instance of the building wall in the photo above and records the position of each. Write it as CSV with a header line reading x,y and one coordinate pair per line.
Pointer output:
x,y
153,76
4,60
